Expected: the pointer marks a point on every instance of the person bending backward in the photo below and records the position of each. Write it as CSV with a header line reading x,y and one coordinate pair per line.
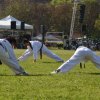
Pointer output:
x,y
81,54
33,47
8,57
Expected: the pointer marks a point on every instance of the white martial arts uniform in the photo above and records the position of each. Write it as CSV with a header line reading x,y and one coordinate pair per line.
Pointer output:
x,y
8,57
81,54
36,45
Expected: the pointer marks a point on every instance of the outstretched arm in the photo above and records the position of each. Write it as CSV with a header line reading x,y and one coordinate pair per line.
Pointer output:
x,y
26,54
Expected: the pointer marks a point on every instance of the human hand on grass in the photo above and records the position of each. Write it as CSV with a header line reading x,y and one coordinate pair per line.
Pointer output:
x,y
34,61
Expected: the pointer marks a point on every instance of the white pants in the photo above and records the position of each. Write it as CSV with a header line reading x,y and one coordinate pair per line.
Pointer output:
x,y
50,54
11,63
45,51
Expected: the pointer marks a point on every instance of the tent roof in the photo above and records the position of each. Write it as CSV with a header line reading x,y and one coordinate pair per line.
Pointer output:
x,y
5,23
9,18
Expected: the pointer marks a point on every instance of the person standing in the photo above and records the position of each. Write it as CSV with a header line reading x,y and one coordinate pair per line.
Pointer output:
x,y
33,48
82,54
8,57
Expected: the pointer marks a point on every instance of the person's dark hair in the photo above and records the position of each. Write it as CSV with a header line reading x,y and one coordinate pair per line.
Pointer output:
x,y
26,41
12,41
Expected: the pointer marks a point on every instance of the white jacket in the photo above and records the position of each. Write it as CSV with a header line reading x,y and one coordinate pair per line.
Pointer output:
x,y
36,45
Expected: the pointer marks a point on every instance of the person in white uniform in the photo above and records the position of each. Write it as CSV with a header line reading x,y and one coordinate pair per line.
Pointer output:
x,y
33,48
82,54
8,57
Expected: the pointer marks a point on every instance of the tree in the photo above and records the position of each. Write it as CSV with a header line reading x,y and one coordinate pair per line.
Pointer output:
x,y
55,15
97,24
20,9
57,2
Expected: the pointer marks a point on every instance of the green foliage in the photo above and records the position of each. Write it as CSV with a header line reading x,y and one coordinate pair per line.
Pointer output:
x,y
96,33
77,84
20,9
97,23
56,2
90,1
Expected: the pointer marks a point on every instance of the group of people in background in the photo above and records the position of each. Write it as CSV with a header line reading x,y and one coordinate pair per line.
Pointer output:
x,y
75,43
7,56
93,44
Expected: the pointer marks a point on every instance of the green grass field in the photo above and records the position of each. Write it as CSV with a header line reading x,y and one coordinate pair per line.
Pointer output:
x,y
77,84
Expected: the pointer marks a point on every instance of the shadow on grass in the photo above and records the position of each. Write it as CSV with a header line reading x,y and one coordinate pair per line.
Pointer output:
x,y
59,74
27,75
86,73
40,75
53,62
94,73
50,74
49,62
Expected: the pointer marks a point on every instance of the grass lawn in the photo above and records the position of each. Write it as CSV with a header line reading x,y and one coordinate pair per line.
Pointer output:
x,y
77,84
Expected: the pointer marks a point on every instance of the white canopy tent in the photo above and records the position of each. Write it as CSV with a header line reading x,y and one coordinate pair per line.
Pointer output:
x,y
5,23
